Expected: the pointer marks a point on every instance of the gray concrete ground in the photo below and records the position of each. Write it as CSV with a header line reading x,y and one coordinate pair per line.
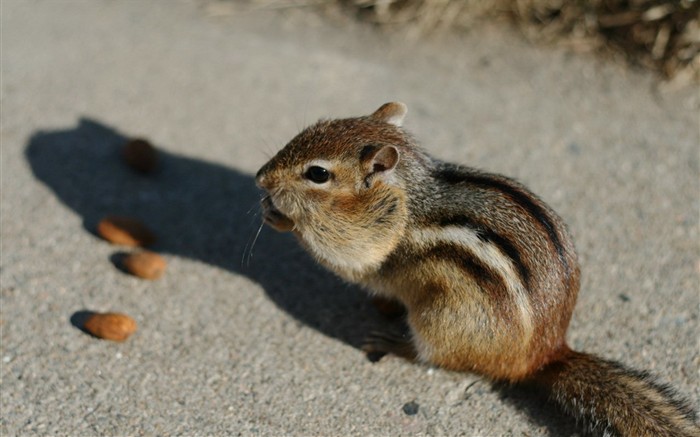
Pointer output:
x,y
238,341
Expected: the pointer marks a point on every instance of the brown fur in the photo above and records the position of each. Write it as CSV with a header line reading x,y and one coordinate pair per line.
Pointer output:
x,y
486,271
631,402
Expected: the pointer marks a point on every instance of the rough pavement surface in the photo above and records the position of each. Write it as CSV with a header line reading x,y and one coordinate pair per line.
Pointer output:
x,y
236,339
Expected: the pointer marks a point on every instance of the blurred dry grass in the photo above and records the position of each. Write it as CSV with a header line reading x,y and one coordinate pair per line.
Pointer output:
x,y
663,35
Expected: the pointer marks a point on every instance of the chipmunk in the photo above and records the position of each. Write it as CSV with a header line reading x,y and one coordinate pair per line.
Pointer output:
x,y
486,271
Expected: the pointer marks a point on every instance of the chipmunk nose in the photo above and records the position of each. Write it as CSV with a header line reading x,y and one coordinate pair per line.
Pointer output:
x,y
260,178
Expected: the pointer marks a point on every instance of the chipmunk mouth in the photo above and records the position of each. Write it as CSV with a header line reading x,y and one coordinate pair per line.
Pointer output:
x,y
269,208
273,217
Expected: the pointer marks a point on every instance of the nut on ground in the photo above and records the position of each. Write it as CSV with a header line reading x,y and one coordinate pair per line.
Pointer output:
x,y
145,264
140,155
110,326
125,231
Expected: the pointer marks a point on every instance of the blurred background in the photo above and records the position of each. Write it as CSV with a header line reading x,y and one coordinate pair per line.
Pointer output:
x,y
661,35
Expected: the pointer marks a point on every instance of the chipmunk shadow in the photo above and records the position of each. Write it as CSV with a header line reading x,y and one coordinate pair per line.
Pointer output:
x,y
208,212
202,211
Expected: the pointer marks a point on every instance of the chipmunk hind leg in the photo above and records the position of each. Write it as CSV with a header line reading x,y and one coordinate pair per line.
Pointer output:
x,y
614,400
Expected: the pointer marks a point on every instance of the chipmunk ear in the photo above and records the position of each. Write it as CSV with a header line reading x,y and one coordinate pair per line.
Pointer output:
x,y
380,159
392,113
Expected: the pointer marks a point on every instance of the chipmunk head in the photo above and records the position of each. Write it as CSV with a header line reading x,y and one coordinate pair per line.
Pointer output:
x,y
336,185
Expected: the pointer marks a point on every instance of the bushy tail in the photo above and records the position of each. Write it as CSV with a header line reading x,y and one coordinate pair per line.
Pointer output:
x,y
616,401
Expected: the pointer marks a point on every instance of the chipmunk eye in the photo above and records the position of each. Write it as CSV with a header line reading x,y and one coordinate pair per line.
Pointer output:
x,y
317,174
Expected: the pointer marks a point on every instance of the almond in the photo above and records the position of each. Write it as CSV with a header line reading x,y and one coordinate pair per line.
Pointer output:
x,y
145,264
140,155
110,326
125,231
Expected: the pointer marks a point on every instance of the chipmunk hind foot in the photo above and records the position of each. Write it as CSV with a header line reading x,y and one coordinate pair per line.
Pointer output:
x,y
380,343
